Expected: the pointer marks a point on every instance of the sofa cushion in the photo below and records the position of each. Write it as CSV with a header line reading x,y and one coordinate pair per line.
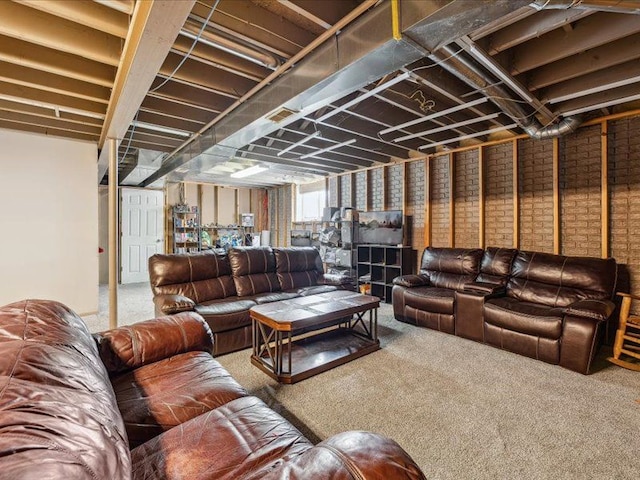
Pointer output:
x,y
495,265
223,315
199,276
524,317
161,395
297,267
254,270
240,439
558,281
58,412
450,267
431,299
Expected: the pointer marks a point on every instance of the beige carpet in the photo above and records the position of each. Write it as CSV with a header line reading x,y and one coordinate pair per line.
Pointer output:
x,y
463,410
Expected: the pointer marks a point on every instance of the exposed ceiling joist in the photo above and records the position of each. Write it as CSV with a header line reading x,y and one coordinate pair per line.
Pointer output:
x,y
154,28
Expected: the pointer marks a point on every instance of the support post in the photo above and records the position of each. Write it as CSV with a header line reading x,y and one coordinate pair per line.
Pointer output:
x,y
113,233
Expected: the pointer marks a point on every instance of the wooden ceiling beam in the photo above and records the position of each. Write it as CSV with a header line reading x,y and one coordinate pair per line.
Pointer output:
x,y
213,57
124,6
171,109
594,82
89,14
591,32
39,129
17,107
257,26
28,24
51,82
53,61
192,95
614,96
154,27
599,58
191,71
52,122
53,100
532,27
169,122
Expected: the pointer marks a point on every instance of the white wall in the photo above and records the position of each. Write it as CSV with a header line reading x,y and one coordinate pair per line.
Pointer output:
x,y
49,233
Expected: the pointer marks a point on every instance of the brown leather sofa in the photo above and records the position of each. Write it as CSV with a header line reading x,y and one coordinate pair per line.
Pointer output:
x,y
223,286
148,401
550,307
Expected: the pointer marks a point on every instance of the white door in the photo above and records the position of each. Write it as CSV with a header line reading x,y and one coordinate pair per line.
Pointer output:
x,y
142,232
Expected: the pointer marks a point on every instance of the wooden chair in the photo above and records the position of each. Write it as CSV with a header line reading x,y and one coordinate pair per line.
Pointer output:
x,y
627,340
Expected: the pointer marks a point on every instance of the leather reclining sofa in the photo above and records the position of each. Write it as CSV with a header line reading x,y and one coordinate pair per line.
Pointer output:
x,y
223,286
552,308
148,401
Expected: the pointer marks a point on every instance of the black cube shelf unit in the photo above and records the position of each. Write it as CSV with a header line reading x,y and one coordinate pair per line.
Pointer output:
x,y
378,265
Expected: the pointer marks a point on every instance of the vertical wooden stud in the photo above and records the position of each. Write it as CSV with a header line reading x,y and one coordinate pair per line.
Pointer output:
x,y
352,177
516,197
114,264
216,199
427,201
452,201
481,208
384,187
405,186
556,196
367,200
604,187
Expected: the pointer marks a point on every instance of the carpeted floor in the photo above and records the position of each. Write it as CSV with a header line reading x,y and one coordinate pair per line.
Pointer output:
x,y
463,410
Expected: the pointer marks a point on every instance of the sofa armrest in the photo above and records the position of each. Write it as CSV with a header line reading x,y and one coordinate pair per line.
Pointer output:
x,y
412,281
361,455
169,304
485,288
129,347
599,310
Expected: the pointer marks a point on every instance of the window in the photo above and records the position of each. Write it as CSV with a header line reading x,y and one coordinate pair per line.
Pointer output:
x,y
310,201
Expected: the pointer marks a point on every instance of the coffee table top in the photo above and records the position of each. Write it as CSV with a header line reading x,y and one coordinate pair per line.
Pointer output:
x,y
313,310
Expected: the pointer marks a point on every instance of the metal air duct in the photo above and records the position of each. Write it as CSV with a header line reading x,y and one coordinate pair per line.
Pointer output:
x,y
613,6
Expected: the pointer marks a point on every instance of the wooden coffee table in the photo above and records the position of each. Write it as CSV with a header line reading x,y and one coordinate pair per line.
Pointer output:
x,y
298,338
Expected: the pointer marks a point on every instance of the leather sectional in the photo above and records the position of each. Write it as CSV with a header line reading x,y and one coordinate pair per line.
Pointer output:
x,y
148,401
223,286
550,307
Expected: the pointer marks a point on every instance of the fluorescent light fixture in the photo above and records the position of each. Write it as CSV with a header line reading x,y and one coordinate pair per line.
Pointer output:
x,y
248,171
158,128
297,144
328,149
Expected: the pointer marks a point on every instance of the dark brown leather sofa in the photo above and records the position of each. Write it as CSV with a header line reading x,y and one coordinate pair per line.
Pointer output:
x,y
223,286
148,401
550,307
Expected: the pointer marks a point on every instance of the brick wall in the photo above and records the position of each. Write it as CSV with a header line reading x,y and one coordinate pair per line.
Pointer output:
x,y
439,186
466,204
345,191
376,192
624,193
361,190
535,164
333,192
415,206
394,187
498,195
579,195
580,176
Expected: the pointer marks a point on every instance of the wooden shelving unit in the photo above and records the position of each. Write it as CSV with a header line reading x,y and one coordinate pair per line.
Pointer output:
x,y
378,265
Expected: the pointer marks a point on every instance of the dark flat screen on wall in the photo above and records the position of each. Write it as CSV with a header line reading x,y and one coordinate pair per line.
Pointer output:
x,y
381,227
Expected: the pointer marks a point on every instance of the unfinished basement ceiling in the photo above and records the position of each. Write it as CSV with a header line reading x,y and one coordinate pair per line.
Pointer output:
x,y
309,88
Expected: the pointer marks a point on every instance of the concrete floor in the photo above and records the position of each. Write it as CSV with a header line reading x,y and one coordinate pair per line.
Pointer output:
x,y
135,303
